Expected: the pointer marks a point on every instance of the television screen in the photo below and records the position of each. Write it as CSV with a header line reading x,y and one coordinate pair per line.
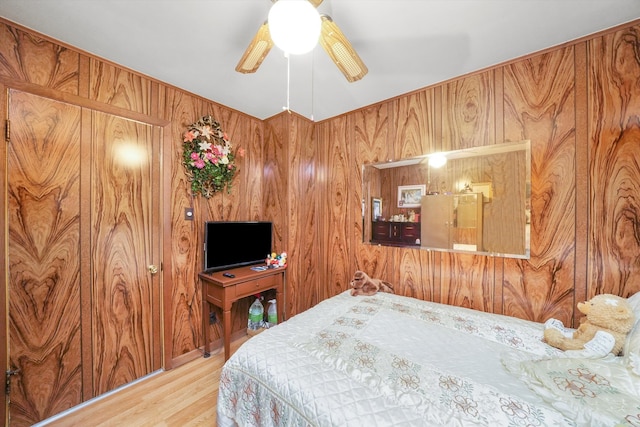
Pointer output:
x,y
229,244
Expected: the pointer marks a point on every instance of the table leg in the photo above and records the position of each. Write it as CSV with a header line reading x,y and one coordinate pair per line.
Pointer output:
x,y
205,328
280,304
226,331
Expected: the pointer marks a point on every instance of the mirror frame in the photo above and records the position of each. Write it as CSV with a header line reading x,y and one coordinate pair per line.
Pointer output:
x,y
477,170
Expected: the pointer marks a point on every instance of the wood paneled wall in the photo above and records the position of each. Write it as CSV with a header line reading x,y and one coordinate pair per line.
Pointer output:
x,y
579,104
36,64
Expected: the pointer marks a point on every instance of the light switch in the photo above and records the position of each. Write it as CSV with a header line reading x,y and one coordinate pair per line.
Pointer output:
x,y
188,214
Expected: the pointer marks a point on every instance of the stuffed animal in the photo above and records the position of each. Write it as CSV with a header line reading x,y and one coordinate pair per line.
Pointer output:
x,y
362,284
609,318
274,260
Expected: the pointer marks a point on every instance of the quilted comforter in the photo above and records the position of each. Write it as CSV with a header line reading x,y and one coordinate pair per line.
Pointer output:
x,y
386,360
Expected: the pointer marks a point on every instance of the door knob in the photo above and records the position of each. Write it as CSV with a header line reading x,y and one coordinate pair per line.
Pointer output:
x,y
153,269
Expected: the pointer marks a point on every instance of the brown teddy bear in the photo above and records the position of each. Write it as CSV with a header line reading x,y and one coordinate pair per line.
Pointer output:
x,y
609,318
362,284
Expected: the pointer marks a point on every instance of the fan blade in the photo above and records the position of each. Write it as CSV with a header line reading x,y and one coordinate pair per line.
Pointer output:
x,y
256,52
340,50
315,3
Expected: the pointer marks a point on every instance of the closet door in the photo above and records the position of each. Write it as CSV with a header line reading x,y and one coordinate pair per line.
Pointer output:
x,y
125,286
44,256
83,204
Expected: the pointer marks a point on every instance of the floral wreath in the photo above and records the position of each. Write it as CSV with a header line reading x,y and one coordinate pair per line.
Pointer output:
x,y
207,157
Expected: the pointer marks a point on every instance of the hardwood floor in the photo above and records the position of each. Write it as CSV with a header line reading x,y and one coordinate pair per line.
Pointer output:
x,y
184,396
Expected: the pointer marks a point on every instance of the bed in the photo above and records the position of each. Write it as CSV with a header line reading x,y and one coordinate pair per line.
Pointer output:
x,y
389,360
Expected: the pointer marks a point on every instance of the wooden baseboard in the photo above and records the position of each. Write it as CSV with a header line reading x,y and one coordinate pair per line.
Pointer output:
x,y
217,346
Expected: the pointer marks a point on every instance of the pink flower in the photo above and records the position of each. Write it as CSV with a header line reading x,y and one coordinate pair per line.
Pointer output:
x,y
209,155
188,137
199,163
229,166
241,152
194,156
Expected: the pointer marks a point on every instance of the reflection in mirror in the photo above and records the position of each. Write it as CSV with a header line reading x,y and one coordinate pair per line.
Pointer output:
x,y
470,200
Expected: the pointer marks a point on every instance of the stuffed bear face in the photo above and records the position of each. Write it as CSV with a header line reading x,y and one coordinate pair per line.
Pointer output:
x,y
362,284
608,311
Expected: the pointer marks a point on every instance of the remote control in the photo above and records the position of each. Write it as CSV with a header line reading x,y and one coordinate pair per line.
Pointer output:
x,y
228,275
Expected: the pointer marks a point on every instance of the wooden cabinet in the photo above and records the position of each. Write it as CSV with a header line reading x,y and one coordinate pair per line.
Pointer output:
x,y
401,233
223,291
455,221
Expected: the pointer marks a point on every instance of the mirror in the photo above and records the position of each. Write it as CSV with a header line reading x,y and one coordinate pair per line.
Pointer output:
x,y
471,200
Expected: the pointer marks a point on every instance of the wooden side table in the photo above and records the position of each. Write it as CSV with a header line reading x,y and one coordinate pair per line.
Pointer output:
x,y
223,291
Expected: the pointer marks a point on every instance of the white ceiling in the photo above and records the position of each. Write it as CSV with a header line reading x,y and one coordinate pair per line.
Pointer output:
x,y
406,44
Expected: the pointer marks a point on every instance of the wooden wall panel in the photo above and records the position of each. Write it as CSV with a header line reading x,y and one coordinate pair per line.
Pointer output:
x,y
531,98
183,299
337,205
27,57
468,112
371,144
244,201
302,231
121,88
411,277
467,281
274,173
275,176
537,101
44,257
468,120
415,124
614,168
539,105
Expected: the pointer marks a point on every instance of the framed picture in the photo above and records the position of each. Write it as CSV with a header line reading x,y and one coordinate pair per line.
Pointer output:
x,y
485,188
409,196
376,208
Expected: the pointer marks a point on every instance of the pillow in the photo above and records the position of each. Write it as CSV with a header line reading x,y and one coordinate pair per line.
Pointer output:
x,y
631,349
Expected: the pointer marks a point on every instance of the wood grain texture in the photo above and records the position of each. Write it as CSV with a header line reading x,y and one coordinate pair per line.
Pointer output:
x,y
44,257
467,281
244,201
411,277
123,302
115,86
336,206
371,145
468,112
275,176
29,58
614,170
183,307
303,254
415,124
4,250
539,106
532,98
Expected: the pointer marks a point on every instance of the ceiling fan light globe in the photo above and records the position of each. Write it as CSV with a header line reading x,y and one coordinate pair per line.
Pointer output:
x,y
294,26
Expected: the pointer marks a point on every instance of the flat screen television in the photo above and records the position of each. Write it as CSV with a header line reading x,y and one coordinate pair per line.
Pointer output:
x,y
230,244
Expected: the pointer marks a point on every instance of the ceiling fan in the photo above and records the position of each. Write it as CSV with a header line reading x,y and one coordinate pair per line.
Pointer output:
x,y
332,40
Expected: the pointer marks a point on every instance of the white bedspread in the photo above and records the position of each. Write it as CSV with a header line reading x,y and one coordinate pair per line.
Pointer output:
x,y
385,360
